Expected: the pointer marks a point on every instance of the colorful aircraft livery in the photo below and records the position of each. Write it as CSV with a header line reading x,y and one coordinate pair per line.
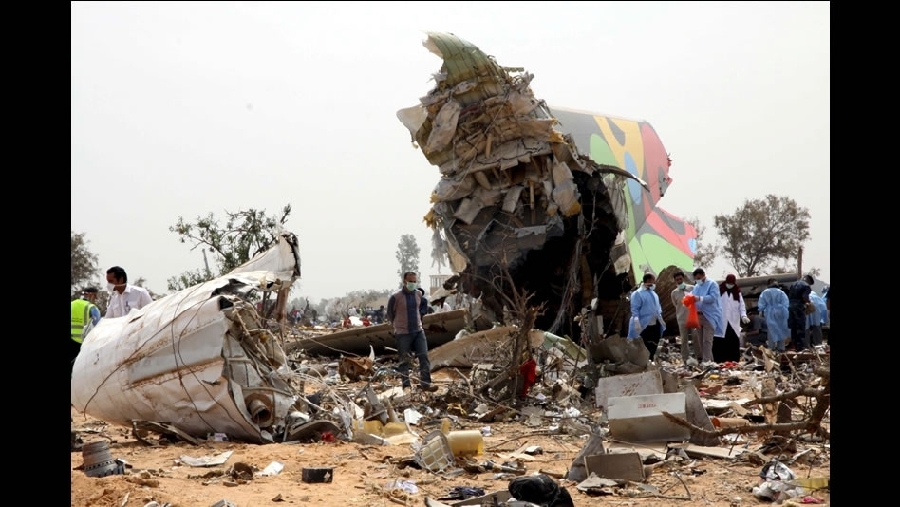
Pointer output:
x,y
656,239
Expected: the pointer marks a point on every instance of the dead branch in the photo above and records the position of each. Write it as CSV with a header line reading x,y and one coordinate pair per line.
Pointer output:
x,y
823,371
803,391
812,425
823,402
752,428
466,380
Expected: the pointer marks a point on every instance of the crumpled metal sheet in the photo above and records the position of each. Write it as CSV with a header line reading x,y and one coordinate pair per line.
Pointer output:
x,y
516,186
481,125
196,359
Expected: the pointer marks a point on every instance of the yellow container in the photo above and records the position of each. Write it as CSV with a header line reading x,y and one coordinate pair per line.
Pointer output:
x,y
445,426
466,443
373,427
392,429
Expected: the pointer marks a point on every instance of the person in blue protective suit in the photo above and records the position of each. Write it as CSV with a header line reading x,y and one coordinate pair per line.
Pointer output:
x,y
646,320
817,319
709,309
773,305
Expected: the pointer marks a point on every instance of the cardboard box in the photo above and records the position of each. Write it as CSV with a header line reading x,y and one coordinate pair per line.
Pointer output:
x,y
640,419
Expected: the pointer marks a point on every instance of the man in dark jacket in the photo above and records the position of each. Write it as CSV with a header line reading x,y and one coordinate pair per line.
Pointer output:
x,y
798,297
404,311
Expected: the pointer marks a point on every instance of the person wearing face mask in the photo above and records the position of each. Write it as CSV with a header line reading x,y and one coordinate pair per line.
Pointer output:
x,y
773,306
646,320
405,309
123,297
85,315
709,309
728,348
681,315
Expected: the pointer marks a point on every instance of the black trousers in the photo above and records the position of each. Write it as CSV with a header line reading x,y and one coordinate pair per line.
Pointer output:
x,y
799,339
797,323
727,348
651,337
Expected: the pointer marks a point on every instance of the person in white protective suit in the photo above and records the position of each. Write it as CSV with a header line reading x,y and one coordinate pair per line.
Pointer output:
x,y
681,315
734,312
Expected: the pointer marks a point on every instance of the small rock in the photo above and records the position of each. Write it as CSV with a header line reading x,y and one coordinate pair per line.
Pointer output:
x,y
278,498
230,484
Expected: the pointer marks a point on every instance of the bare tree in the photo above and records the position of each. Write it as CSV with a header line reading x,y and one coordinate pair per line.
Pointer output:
x,y
519,311
84,262
705,254
244,234
762,232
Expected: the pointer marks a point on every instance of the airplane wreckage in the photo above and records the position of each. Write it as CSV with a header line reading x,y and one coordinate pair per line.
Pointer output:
x,y
198,359
560,203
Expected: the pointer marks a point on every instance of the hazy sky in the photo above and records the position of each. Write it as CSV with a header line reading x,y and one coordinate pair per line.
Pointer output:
x,y
183,108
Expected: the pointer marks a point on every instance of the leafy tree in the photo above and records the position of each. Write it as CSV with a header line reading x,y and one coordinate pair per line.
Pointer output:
x,y
188,279
84,262
763,232
408,254
706,252
244,235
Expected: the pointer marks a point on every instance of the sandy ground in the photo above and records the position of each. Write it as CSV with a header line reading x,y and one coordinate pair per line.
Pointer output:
x,y
361,471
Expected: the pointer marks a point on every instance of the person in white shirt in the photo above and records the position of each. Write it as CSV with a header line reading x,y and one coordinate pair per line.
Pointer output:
x,y
734,313
123,297
441,306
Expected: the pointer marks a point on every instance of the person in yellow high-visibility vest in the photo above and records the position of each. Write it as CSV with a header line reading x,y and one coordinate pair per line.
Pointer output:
x,y
84,313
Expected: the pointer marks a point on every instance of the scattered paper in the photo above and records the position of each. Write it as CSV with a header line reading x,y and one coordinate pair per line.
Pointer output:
x,y
274,468
206,461
412,416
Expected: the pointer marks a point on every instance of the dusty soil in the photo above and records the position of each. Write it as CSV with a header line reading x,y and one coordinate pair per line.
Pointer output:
x,y
360,471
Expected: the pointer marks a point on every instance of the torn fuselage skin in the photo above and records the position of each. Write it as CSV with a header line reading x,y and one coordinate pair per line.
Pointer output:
x,y
517,204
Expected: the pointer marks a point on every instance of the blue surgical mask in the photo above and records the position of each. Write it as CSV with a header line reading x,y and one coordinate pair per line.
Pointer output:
x,y
411,286
729,285
682,286
652,286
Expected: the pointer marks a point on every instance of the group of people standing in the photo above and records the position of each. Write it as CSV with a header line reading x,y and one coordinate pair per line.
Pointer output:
x,y
796,315
123,297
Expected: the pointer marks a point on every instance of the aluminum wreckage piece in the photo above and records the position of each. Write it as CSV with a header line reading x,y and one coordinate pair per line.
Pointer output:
x,y
515,192
198,359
